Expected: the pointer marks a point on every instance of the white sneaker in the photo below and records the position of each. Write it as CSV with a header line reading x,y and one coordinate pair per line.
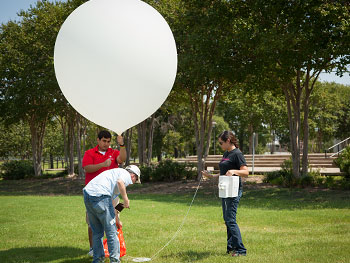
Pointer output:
x,y
91,252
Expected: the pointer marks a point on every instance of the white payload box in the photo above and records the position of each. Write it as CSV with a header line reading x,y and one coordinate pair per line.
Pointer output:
x,y
228,186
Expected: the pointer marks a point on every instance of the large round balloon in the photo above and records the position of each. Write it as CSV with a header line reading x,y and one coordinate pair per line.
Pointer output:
x,y
115,61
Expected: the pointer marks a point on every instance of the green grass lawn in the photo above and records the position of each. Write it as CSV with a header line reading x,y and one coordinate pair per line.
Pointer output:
x,y
277,225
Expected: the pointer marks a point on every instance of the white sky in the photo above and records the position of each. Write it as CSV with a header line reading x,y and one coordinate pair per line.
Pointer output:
x,y
9,9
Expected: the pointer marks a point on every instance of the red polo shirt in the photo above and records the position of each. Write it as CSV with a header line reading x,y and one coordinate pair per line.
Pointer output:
x,y
93,156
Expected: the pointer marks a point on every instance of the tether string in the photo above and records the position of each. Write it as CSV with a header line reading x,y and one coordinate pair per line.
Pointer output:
x,y
183,222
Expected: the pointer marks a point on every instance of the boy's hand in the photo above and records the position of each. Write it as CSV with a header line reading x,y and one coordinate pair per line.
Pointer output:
x,y
126,203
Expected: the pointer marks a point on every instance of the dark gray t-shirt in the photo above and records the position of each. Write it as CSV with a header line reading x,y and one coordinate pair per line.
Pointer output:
x,y
232,160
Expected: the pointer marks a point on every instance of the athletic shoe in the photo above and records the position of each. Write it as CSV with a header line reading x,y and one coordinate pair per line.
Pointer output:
x,y
235,254
91,252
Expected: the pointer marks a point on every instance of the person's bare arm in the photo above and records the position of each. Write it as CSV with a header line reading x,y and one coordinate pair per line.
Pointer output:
x,y
122,154
243,172
91,168
122,190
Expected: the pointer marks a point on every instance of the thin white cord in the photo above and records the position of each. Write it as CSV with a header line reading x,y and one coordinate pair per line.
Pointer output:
x,y
183,222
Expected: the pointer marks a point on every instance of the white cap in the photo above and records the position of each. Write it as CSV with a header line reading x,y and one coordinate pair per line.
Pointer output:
x,y
134,169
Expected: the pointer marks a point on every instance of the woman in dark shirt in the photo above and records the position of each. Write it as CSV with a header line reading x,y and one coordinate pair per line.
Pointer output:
x,y
232,164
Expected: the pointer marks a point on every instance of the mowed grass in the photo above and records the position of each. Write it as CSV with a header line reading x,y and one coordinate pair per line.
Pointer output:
x,y
277,225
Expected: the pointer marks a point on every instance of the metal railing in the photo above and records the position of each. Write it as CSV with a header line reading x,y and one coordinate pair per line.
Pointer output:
x,y
340,147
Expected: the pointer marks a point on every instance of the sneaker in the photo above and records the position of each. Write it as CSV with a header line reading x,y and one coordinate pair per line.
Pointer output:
x,y
91,252
235,254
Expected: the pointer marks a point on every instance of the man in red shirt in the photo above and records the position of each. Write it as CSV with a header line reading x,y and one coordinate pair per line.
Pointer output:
x,y
99,159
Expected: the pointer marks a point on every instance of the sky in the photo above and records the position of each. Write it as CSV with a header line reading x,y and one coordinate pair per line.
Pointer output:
x,y
9,9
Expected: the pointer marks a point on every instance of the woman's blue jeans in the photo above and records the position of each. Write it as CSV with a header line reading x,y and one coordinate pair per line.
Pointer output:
x,y
102,219
234,238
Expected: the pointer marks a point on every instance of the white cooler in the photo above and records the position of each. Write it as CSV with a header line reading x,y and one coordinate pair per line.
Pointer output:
x,y
228,186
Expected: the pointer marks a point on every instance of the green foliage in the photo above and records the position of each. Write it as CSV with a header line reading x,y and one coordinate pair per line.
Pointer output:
x,y
15,141
329,182
307,180
146,173
329,114
285,177
13,170
167,171
343,129
53,139
345,183
250,111
343,161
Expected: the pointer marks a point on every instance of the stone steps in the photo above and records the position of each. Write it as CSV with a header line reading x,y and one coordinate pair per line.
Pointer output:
x,y
271,162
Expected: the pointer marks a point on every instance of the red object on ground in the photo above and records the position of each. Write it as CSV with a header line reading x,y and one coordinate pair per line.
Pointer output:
x,y
121,242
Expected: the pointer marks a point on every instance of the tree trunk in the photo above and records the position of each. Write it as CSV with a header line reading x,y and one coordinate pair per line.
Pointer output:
x,y
84,125
37,130
306,107
293,97
63,122
139,143
51,161
71,147
251,138
273,146
128,136
150,139
144,141
78,134
203,106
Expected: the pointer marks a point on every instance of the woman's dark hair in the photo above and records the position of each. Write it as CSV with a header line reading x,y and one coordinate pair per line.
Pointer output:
x,y
225,135
104,134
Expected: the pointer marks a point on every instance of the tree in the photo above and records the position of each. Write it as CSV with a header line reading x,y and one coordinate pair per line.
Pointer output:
x,y
294,41
343,123
15,141
28,84
207,59
28,87
326,106
53,141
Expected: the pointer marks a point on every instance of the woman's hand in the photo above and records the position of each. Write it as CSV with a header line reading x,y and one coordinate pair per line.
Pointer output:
x,y
207,174
230,173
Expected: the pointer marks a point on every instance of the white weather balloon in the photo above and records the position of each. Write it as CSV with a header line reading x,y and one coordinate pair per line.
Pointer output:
x,y
115,61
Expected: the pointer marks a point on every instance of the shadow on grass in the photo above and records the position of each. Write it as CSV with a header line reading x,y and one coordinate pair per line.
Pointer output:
x,y
254,196
186,256
44,254
56,186
272,198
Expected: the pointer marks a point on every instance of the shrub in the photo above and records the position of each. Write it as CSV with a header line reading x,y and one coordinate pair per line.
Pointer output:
x,y
146,173
320,181
308,180
14,170
170,171
167,171
286,178
343,162
345,183
329,182
270,176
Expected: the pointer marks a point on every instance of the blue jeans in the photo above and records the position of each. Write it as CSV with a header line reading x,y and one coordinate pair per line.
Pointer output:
x,y
102,219
229,209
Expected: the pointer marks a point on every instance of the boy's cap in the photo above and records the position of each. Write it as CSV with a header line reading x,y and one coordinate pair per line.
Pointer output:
x,y
134,169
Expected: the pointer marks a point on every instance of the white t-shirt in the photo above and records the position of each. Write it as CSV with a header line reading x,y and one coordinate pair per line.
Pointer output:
x,y
106,182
